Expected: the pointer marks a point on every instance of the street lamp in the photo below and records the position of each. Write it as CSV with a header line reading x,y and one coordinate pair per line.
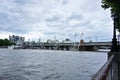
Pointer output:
x,y
114,40
118,39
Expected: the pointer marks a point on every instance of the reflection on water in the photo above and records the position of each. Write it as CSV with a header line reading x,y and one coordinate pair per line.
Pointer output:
x,y
49,65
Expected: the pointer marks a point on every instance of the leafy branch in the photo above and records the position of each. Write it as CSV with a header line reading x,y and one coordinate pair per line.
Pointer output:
x,y
114,6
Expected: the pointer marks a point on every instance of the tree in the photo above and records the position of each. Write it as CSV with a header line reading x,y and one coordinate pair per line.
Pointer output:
x,y
5,42
114,6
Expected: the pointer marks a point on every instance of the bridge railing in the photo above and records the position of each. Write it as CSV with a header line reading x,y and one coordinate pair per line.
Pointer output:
x,y
107,71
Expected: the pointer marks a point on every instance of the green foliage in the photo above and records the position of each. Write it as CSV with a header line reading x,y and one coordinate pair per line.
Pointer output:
x,y
114,5
5,42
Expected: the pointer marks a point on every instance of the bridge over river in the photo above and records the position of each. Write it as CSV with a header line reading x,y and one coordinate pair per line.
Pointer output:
x,y
87,46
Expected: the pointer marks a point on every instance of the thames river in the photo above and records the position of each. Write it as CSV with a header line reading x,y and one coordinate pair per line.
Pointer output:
x,y
28,64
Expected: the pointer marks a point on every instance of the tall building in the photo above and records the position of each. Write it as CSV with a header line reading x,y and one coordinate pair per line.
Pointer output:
x,y
17,39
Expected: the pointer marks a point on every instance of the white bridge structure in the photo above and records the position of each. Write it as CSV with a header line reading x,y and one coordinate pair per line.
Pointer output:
x,y
87,46
97,43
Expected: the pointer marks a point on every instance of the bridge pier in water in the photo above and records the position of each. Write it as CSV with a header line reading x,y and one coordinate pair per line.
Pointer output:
x,y
88,48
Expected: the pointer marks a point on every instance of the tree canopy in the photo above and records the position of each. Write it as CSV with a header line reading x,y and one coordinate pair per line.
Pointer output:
x,y
114,6
5,42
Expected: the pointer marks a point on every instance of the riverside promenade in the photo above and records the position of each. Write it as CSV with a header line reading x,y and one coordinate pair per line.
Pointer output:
x,y
111,69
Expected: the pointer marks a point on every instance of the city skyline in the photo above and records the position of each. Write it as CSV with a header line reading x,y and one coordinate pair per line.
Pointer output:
x,y
45,19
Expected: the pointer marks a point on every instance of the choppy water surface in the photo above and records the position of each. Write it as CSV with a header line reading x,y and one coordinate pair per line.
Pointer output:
x,y
49,65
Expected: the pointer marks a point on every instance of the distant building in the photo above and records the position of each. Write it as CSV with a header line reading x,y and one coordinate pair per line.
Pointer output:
x,y
17,39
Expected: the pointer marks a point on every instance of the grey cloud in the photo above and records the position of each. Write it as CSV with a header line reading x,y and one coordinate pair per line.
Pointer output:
x,y
54,18
75,16
20,16
64,2
10,24
4,18
86,24
65,23
13,28
50,33
20,2
57,34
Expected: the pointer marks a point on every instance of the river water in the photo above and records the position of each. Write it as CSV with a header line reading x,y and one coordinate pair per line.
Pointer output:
x,y
49,64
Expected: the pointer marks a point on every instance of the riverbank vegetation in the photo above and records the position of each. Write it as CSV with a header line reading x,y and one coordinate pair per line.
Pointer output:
x,y
5,42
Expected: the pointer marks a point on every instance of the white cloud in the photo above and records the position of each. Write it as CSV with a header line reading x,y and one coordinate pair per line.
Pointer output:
x,y
46,18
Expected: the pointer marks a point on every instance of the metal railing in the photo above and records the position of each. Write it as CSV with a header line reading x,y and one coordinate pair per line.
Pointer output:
x,y
107,72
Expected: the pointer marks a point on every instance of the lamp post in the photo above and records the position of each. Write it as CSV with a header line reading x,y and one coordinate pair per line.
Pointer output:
x,y
114,40
118,39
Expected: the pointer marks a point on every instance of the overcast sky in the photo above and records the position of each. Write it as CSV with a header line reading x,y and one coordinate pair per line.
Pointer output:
x,y
46,19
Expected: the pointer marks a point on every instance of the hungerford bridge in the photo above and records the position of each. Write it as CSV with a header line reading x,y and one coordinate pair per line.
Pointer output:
x,y
82,46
